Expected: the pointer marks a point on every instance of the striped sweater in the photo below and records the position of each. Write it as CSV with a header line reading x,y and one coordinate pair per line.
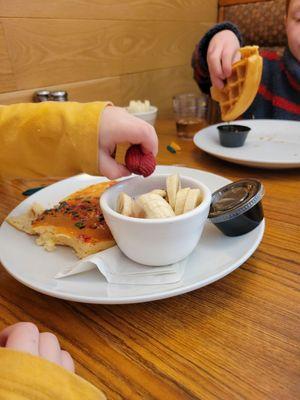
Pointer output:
x,y
278,95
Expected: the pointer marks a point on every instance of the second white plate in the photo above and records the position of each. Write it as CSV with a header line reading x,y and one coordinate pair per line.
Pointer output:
x,y
272,144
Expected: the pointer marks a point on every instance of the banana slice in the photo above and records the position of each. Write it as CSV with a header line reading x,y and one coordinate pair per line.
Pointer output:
x,y
160,192
173,185
155,206
137,210
180,200
125,204
192,200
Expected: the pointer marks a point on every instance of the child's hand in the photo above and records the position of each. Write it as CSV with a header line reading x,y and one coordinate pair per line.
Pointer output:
x,y
25,336
118,126
223,51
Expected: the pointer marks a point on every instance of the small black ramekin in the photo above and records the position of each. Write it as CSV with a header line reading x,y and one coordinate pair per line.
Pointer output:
x,y
236,208
233,135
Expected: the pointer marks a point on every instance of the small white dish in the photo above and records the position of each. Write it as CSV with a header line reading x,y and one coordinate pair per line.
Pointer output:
x,y
148,116
215,256
155,241
271,144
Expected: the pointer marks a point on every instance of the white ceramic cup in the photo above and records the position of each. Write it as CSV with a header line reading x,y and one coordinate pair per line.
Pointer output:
x,y
155,241
148,116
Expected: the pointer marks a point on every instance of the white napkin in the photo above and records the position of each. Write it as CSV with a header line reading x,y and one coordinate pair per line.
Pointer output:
x,y
118,269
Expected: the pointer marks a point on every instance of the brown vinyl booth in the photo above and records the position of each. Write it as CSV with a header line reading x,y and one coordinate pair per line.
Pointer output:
x,y
261,22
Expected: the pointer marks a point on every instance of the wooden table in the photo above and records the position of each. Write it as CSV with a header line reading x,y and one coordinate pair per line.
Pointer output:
x,y
235,339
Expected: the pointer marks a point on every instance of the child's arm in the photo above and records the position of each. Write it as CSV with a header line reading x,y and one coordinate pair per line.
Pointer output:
x,y
214,55
33,366
62,139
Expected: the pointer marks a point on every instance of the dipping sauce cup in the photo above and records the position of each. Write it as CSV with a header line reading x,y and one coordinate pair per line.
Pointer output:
x,y
233,135
236,208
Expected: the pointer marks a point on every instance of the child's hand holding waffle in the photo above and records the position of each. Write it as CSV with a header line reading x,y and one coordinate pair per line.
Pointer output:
x,y
235,74
223,51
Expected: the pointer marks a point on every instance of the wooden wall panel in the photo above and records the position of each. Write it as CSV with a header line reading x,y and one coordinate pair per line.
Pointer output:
x,y
7,81
84,91
163,10
158,86
99,49
69,51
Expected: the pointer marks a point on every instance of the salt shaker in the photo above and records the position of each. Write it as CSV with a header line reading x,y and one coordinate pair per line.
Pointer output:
x,y
59,95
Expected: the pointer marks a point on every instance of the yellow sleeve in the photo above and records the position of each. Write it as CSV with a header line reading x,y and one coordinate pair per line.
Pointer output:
x,y
26,377
49,138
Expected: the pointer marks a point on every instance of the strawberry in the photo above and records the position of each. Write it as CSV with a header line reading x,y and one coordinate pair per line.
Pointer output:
x,y
138,162
147,165
133,158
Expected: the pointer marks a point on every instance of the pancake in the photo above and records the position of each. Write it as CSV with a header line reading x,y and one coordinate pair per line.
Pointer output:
x,y
77,221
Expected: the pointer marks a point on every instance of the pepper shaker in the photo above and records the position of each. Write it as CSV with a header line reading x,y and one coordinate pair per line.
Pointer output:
x,y
41,95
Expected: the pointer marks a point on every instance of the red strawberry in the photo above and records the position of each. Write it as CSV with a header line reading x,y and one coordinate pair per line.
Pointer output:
x,y
133,158
138,162
147,165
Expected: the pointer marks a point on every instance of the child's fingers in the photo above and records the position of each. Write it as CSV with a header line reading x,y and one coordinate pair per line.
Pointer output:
x,y
109,167
137,131
49,347
67,361
146,137
227,57
217,82
215,66
4,334
23,336
236,57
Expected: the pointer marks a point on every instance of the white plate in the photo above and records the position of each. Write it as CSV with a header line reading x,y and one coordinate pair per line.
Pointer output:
x,y
270,144
215,256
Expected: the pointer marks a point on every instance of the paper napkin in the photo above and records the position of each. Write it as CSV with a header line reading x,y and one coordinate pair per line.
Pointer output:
x,y
118,269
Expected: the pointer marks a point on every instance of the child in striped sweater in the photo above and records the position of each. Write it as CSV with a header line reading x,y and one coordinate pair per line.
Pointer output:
x,y
278,95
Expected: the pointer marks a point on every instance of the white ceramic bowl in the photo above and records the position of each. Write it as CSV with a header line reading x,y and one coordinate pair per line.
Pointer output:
x,y
155,241
148,116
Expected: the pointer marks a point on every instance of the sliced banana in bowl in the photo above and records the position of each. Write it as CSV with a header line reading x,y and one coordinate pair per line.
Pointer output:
x,y
161,203
157,220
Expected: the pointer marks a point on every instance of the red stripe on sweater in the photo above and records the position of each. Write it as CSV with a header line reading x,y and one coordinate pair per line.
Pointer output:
x,y
291,79
270,55
273,56
279,101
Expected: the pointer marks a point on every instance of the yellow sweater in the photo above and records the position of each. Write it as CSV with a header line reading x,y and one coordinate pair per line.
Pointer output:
x,y
46,139
49,139
27,377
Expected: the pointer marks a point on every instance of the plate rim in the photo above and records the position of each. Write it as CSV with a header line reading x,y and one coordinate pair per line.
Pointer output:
x,y
137,298
240,160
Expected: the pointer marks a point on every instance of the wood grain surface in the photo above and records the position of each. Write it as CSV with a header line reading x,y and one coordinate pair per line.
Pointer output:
x,y
175,10
7,81
157,85
99,49
73,50
235,339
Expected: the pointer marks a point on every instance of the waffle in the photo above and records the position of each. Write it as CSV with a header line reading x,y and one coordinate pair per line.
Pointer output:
x,y
241,87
